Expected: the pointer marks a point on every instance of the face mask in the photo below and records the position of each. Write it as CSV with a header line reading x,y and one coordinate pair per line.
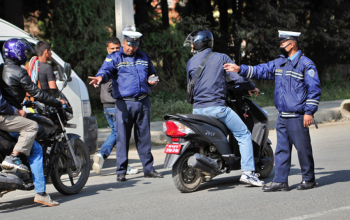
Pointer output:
x,y
284,51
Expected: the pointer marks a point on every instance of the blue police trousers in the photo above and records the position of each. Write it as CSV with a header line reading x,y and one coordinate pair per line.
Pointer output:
x,y
292,131
137,114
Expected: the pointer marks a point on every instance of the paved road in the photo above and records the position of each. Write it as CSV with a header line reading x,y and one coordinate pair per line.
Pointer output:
x,y
223,198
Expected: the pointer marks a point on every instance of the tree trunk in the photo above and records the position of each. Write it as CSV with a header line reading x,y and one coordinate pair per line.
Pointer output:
x,y
141,12
165,13
237,10
12,11
223,15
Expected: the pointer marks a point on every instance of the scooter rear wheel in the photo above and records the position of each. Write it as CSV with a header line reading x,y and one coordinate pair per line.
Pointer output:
x,y
186,179
266,170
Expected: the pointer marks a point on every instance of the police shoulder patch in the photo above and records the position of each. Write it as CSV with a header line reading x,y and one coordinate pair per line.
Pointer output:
x,y
311,72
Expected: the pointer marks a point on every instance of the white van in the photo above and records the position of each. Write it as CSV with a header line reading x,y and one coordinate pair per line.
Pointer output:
x,y
76,91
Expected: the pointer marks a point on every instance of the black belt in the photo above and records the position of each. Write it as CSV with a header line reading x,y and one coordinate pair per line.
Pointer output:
x,y
134,98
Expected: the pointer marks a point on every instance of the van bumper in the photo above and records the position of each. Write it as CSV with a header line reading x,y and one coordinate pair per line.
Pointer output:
x,y
91,134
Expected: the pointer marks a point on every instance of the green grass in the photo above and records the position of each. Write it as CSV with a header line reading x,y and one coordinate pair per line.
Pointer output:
x,y
170,103
335,90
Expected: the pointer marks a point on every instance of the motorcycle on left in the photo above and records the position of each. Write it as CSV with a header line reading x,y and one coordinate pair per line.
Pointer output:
x,y
65,156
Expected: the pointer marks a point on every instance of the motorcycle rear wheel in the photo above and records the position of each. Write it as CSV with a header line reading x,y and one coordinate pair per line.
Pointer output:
x,y
67,179
186,179
266,171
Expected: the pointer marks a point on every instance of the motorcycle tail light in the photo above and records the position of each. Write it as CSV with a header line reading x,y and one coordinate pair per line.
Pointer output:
x,y
176,129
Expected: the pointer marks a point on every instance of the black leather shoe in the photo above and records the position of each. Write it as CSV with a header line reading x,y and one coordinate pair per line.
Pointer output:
x,y
153,174
274,187
121,177
306,185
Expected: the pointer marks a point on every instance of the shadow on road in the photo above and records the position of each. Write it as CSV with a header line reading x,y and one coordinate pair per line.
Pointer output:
x,y
90,190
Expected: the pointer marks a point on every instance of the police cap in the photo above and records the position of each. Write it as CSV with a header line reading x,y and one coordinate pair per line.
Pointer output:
x,y
288,35
132,37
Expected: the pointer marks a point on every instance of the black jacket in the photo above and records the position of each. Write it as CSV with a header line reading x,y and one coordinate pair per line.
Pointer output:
x,y
15,82
107,95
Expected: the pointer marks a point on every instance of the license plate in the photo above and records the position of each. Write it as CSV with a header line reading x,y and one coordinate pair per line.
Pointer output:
x,y
172,148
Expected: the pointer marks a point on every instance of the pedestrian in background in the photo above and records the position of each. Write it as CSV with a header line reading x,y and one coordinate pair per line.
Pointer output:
x,y
297,95
131,71
47,78
113,44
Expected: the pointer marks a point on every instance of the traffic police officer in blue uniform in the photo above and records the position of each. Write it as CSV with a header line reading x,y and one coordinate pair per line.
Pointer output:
x,y
130,70
297,95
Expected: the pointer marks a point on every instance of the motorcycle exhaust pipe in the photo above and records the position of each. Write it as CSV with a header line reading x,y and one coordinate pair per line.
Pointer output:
x,y
203,163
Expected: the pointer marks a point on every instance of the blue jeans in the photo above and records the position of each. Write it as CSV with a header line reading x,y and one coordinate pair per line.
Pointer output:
x,y
239,130
35,160
111,140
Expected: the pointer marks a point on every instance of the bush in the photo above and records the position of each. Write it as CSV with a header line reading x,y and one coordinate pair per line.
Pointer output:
x,y
169,103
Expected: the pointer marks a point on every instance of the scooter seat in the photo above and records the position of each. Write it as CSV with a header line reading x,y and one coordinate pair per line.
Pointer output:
x,y
207,119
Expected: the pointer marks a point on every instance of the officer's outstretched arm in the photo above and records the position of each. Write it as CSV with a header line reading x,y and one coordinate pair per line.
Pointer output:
x,y
109,65
312,83
261,71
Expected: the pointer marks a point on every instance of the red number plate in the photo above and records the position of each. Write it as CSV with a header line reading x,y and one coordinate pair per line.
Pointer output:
x,y
172,148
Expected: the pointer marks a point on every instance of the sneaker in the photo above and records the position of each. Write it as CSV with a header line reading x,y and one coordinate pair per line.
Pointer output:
x,y
131,170
14,164
45,200
98,163
251,178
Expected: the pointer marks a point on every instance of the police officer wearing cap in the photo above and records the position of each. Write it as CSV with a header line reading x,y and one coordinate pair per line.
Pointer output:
x,y
132,75
297,95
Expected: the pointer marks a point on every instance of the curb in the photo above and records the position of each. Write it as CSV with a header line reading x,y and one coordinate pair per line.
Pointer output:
x,y
327,111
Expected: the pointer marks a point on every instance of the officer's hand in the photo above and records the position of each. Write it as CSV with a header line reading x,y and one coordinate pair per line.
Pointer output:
x,y
307,120
256,90
95,81
231,67
22,113
153,82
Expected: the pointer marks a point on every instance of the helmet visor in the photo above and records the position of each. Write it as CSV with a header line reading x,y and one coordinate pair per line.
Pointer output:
x,y
188,41
29,52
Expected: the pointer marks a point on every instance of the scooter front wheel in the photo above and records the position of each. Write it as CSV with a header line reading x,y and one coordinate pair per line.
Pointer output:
x,y
67,178
186,179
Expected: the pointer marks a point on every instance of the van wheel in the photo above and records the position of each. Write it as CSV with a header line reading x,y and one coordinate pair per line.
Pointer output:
x,y
186,179
265,171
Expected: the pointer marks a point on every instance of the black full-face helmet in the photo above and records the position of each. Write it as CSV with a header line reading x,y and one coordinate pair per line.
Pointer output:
x,y
200,39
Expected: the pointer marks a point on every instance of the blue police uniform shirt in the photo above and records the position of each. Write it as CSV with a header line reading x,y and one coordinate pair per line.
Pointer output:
x,y
297,86
210,86
129,74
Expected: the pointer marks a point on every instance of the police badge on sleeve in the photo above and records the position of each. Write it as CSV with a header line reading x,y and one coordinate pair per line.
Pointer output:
x,y
311,73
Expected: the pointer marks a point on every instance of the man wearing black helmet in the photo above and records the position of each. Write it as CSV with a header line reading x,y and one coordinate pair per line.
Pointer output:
x,y
209,96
